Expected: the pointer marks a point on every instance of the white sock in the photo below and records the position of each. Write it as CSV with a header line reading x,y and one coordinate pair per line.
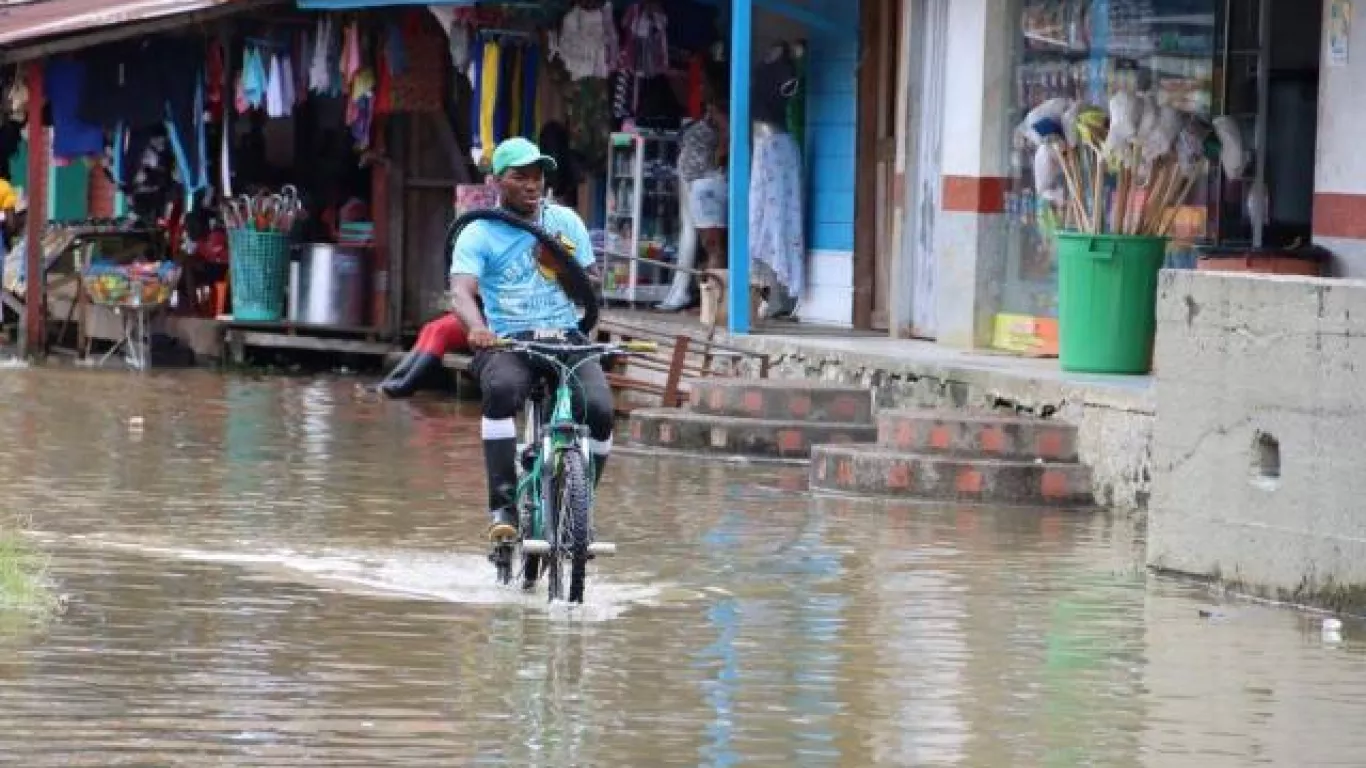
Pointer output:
x,y
498,429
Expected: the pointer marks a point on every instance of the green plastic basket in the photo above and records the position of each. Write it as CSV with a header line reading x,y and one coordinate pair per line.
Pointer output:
x,y
259,268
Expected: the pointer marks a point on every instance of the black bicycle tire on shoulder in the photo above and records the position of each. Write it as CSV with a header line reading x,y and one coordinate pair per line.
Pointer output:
x,y
574,503
573,278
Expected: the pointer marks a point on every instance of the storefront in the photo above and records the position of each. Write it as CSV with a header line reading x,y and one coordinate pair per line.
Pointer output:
x,y
1203,57
229,170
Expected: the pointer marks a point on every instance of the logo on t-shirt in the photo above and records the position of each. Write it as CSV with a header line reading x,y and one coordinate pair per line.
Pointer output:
x,y
546,262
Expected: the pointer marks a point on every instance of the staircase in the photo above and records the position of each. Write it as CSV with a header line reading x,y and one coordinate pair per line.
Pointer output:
x,y
762,418
962,456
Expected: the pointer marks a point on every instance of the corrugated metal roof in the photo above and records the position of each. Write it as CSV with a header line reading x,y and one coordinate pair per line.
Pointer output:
x,y
49,18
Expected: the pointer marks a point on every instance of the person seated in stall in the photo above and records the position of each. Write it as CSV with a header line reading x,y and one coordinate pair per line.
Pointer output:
x,y
443,336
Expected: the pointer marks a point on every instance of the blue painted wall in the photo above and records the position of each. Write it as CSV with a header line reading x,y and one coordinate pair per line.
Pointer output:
x,y
831,115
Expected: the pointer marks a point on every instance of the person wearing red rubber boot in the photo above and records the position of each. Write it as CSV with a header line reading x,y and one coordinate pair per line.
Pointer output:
x,y
442,336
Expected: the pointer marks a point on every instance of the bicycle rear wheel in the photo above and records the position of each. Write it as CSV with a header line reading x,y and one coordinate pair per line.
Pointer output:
x,y
570,501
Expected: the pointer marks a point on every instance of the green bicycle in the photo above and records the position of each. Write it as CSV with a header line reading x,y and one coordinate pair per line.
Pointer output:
x,y
554,490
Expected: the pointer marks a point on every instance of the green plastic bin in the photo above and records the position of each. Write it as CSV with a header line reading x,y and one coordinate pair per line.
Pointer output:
x,y
1107,296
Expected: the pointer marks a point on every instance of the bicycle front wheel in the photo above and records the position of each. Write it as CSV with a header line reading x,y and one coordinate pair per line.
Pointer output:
x,y
572,496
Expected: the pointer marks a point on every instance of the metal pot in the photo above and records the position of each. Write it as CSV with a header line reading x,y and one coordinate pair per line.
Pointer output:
x,y
332,287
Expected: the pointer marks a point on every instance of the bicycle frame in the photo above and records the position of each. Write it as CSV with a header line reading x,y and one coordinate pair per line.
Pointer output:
x,y
560,432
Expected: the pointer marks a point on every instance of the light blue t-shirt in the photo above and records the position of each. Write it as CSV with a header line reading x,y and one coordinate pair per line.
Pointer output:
x,y
518,293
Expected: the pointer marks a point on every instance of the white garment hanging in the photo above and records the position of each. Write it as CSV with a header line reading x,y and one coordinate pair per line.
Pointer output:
x,y
287,84
586,42
319,80
275,97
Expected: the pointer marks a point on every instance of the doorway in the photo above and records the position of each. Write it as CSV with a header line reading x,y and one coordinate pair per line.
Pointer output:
x,y
875,195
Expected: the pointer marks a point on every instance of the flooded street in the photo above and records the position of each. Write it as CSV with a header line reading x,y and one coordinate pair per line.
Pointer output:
x,y
283,572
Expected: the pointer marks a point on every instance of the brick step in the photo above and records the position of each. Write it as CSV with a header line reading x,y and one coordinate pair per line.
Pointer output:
x,y
874,470
783,400
980,434
709,433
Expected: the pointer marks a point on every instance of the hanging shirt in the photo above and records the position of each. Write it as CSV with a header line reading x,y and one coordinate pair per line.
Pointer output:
x,y
71,136
645,41
586,42
319,71
275,90
287,84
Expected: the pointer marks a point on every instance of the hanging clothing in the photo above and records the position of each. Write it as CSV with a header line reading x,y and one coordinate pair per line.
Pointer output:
x,y
586,42
530,71
488,99
695,80
514,95
72,137
319,68
275,92
796,104
476,76
255,78
623,83
213,79
645,40
502,106
351,61
588,115
777,242
287,94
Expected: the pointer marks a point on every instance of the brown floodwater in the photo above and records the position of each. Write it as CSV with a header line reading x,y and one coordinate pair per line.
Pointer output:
x,y
284,572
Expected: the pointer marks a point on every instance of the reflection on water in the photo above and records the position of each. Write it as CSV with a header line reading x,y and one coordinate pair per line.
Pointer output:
x,y
284,572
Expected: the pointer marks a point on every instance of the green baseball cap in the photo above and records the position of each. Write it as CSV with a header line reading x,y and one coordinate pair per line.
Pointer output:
x,y
518,152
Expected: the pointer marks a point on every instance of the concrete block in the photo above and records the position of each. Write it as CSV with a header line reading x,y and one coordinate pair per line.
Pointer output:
x,y
977,433
672,429
783,400
1258,470
876,471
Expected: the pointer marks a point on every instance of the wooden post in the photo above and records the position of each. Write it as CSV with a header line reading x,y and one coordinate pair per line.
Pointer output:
x,y
380,192
34,330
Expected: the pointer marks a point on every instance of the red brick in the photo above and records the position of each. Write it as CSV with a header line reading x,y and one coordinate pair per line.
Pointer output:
x,y
791,441
969,481
940,438
1053,485
845,408
899,476
754,402
1050,444
905,435
993,439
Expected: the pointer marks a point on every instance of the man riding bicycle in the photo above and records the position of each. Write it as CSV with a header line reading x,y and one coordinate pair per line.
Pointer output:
x,y
516,277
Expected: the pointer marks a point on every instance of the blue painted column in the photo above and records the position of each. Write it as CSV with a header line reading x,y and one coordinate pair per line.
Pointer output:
x,y
737,218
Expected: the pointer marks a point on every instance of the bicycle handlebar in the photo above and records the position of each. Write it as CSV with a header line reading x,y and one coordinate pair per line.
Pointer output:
x,y
548,347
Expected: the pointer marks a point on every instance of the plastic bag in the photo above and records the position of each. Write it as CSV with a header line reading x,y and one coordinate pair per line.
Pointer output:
x,y
1053,108
1048,175
1126,110
1231,153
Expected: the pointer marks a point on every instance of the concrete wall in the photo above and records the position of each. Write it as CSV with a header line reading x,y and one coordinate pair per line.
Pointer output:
x,y
1245,363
